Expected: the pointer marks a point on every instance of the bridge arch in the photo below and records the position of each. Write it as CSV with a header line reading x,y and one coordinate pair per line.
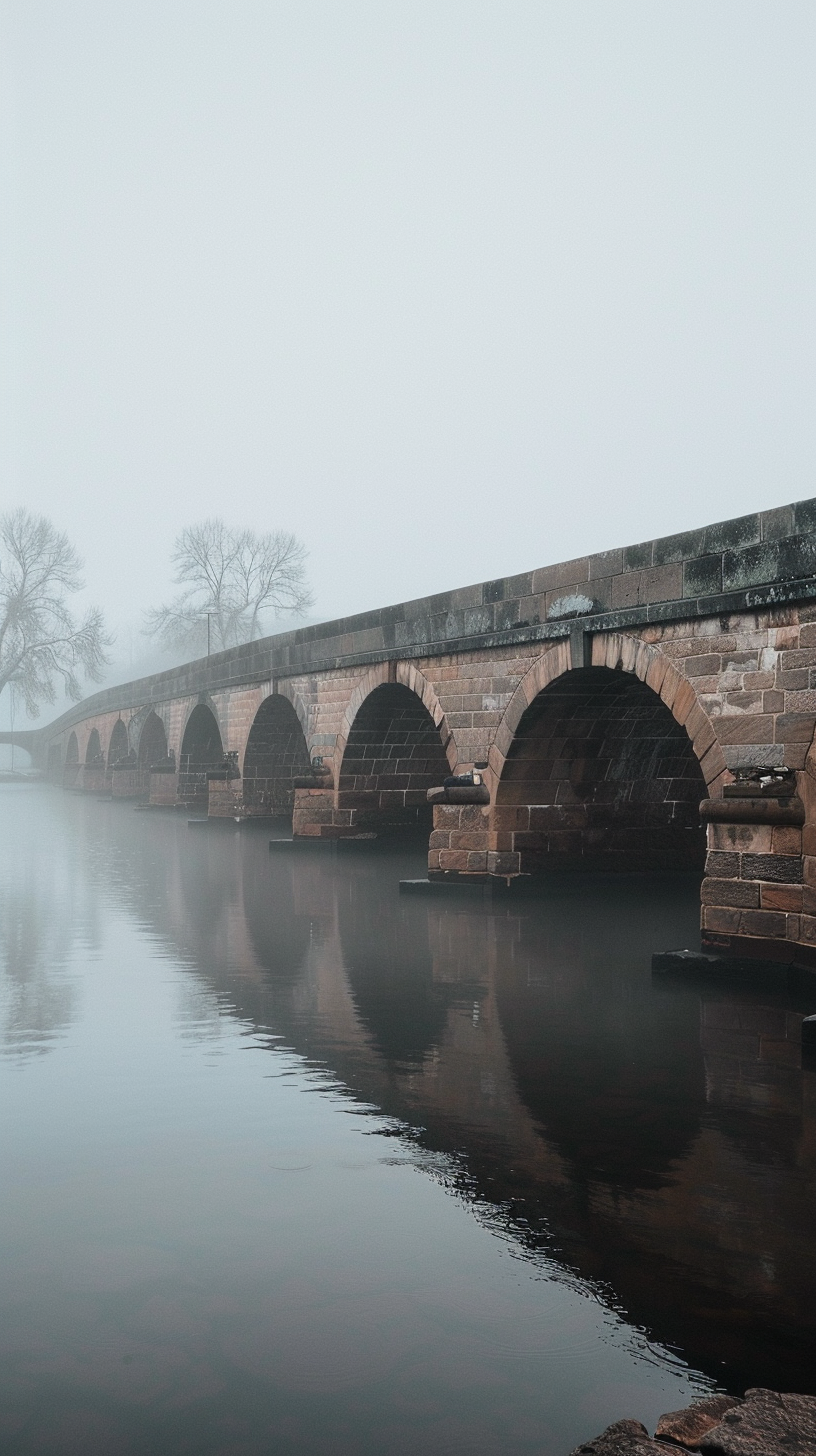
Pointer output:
x,y
117,744
276,754
604,765
94,757
152,741
393,747
305,715
410,677
202,750
70,768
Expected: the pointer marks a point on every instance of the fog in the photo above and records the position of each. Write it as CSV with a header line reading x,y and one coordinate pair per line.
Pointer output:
x,y
451,290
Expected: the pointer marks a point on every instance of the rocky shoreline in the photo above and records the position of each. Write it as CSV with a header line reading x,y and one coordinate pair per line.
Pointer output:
x,y
762,1423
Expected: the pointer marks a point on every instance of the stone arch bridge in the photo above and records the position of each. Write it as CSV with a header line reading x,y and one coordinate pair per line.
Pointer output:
x,y
649,707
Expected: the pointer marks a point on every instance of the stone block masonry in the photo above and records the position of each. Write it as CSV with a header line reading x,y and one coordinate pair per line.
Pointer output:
x,y
607,697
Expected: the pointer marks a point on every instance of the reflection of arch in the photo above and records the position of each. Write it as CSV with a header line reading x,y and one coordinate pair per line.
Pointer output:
x,y
276,754
152,742
201,752
72,751
93,753
390,973
118,746
279,925
391,756
580,1076
599,772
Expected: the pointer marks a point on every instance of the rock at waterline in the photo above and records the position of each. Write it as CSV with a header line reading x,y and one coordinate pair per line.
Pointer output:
x,y
765,1423
625,1438
688,1427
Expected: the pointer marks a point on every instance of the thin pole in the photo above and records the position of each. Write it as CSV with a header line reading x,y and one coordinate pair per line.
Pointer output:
x,y
11,720
209,614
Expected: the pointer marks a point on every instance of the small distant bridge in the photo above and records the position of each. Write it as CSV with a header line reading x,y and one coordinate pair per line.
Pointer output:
x,y
608,705
29,739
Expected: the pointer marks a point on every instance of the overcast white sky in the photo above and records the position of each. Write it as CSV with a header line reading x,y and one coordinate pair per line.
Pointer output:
x,y
449,289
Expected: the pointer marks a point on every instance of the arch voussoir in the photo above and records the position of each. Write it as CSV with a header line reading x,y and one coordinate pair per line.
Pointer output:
x,y
416,680
374,678
554,662
289,691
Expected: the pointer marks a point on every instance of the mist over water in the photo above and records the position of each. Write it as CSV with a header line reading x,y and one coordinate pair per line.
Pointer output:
x,y
292,1162
450,291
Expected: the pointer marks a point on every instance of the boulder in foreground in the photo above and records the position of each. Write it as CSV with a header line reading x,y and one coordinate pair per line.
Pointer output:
x,y
688,1427
764,1423
624,1438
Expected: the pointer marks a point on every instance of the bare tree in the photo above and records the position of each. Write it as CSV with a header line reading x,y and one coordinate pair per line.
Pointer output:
x,y
234,578
40,640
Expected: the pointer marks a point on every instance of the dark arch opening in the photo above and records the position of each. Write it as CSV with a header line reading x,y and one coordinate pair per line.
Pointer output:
x,y
70,768
201,753
601,776
118,746
393,756
152,742
276,755
94,757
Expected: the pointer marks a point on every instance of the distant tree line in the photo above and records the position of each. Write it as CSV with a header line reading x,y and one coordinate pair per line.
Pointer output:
x,y
232,580
41,642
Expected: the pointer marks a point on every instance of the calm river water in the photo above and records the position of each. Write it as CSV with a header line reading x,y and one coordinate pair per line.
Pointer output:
x,y
292,1163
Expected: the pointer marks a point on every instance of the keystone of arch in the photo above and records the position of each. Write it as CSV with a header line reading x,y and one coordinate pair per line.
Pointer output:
x,y
409,677
621,653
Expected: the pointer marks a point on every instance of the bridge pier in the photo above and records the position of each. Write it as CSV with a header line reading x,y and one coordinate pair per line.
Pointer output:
x,y
753,894
127,781
163,786
225,794
462,843
93,778
315,816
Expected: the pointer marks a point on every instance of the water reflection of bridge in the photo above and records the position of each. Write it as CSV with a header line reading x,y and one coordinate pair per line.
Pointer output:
x,y
655,1138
